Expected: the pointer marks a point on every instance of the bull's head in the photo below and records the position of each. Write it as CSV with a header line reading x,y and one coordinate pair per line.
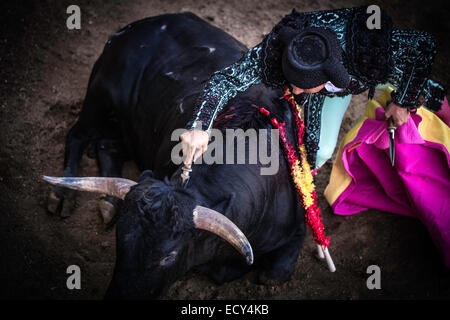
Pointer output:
x,y
154,229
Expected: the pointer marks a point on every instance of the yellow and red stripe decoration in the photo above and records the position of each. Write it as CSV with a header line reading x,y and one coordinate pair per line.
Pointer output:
x,y
300,170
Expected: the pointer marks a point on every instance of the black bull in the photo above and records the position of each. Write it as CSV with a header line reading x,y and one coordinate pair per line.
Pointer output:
x,y
144,86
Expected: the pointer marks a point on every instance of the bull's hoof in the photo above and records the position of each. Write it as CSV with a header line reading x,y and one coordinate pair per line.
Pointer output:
x,y
107,210
54,203
68,206
61,201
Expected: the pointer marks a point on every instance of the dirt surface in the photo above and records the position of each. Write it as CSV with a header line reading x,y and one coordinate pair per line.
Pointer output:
x,y
44,73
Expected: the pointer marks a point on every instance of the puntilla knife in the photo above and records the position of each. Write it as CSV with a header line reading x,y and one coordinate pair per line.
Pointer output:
x,y
391,131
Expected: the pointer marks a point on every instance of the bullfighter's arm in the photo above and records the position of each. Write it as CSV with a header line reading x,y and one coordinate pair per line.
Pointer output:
x,y
412,54
223,86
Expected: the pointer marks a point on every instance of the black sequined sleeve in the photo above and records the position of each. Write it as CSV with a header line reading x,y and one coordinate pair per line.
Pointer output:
x,y
433,93
223,86
413,53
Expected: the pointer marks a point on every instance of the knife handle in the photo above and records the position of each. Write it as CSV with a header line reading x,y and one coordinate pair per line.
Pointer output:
x,y
390,125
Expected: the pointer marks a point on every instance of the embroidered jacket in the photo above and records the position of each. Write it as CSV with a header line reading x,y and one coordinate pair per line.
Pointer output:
x,y
399,57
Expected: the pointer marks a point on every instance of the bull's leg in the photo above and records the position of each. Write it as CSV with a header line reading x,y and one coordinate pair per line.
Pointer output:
x,y
279,264
110,157
62,200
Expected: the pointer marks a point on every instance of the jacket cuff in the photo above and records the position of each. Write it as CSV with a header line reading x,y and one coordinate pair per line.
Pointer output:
x,y
195,125
410,104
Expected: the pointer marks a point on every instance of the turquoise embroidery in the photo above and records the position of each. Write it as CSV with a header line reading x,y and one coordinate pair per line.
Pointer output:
x,y
225,84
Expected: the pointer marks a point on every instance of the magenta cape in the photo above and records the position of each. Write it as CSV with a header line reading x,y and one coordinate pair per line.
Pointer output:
x,y
417,186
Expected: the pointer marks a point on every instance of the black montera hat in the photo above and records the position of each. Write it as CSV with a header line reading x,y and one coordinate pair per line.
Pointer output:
x,y
313,57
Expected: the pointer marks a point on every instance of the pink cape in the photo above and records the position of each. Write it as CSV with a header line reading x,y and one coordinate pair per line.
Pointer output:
x,y
417,186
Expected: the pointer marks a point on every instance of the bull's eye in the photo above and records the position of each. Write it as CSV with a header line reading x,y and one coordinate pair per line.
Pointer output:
x,y
169,259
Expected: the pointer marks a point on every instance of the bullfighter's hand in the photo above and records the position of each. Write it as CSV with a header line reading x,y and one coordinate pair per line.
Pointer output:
x,y
193,144
399,115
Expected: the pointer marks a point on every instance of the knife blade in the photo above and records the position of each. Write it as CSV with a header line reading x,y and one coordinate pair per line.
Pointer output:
x,y
391,130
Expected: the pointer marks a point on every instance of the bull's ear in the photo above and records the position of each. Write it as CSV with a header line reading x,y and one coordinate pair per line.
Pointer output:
x,y
145,175
224,205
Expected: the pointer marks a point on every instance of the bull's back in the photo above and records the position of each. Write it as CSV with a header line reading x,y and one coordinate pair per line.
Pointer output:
x,y
168,48
152,71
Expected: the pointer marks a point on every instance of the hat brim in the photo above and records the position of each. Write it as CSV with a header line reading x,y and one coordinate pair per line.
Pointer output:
x,y
338,75
293,75
317,69
335,72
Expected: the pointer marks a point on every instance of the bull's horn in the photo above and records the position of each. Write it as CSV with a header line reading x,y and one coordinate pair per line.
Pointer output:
x,y
215,222
116,187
